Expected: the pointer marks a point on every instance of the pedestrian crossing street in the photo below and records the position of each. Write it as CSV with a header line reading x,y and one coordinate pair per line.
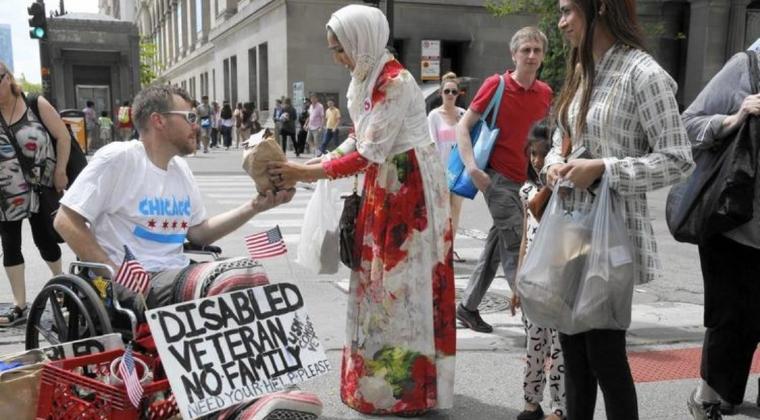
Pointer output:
x,y
230,191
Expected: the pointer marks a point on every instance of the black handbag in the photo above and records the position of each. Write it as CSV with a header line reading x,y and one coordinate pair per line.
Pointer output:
x,y
350,255
719,195
77,158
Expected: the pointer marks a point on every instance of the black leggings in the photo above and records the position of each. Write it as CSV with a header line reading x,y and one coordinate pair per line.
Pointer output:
x,y
598,357
10,233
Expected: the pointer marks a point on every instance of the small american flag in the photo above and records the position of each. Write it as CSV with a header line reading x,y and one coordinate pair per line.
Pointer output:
x,y
266,244
128,374
131,274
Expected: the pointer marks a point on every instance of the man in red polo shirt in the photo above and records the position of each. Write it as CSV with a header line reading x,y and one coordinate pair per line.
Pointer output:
x,y
525,101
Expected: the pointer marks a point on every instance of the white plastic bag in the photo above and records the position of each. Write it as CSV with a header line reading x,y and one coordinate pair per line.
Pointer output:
x,y
578,275
318,246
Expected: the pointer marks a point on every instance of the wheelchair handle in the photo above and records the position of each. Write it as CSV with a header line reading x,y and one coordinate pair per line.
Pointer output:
x,y
97,266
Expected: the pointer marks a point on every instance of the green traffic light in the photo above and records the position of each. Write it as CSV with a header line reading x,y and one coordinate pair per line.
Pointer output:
x,y
39,33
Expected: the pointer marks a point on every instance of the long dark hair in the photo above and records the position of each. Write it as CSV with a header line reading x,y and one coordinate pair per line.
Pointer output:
x,y
539,137
619,17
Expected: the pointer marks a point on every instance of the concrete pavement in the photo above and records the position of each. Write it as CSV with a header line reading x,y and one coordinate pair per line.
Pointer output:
x,y
667,314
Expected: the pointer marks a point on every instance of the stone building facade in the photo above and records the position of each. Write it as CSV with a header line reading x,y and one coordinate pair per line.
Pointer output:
x,y
92,57
260,50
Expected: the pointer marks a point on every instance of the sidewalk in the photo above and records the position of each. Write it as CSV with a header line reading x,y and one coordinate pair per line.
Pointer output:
x,y
664,352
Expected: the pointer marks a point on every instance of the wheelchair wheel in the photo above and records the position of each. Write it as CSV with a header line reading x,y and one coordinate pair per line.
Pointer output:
x,y
67,309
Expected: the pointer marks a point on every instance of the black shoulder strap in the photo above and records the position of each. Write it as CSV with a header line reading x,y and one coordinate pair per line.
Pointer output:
x,y
32,101
754,72
27,164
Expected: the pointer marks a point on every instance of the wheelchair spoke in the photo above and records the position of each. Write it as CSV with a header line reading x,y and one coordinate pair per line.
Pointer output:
x,y
58,317
48,334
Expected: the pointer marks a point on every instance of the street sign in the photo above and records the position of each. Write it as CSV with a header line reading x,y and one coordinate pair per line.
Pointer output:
x,y
431,60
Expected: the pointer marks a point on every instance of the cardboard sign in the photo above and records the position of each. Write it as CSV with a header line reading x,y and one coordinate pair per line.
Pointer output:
x,y
224,350
84,347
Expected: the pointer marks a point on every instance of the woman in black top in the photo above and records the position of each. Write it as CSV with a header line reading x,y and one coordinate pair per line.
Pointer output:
x,y
45,166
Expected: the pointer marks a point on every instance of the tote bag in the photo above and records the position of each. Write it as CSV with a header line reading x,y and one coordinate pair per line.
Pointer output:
x,y
483,136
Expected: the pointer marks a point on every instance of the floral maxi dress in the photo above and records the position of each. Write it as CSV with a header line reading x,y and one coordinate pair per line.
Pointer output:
x,y
400,336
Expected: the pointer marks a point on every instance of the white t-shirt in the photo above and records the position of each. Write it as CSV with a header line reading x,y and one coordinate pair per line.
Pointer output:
x,y
129,201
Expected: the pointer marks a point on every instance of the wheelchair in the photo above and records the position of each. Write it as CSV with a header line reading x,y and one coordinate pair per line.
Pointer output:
x,y
74,306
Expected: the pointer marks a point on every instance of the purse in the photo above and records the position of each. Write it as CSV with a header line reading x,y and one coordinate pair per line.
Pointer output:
x,y
77,158
349,252
483,136
719,195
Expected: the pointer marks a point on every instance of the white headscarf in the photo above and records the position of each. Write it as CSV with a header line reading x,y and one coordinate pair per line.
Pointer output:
x,y
363,33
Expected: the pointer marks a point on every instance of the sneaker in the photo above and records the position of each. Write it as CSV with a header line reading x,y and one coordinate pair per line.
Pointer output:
x,y
537,414
703,411
472,320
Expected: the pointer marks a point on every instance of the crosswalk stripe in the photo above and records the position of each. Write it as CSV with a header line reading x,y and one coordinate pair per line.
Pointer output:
x,y
233,191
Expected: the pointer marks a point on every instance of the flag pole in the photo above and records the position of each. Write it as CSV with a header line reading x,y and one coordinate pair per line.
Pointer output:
x,y
287,256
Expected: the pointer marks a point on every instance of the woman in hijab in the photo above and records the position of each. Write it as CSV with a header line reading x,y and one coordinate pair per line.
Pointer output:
x,y
401,338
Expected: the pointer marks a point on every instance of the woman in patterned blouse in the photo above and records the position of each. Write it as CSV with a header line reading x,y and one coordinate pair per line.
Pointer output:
x,y
620,105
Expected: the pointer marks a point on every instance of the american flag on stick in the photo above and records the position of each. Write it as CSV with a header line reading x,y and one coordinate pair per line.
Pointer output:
x,y
131,274
266,244
128,374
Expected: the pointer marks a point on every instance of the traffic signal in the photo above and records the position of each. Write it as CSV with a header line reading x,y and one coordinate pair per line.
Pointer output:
x,y
37,21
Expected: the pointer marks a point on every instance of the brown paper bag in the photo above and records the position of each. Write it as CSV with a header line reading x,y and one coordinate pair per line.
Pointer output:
x,y
19,387
256,158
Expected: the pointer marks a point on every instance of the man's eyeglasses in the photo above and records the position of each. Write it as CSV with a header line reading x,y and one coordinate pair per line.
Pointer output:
x,y
337,49
190,116
450,92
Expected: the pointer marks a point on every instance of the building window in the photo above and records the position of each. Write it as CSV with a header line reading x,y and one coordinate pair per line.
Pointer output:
x,y
192,88
178,41
226,78
263,77
253,75
199,16
213,82
233,80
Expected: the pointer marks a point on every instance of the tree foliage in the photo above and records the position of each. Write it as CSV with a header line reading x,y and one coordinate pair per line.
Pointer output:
x,y
29,87
149,63
553,70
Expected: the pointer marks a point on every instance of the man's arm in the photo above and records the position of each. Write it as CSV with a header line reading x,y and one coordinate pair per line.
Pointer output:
x,y
219,226
464,141
74,230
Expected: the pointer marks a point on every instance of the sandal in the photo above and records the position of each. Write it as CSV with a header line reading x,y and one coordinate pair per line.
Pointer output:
x,y
14,316
458,259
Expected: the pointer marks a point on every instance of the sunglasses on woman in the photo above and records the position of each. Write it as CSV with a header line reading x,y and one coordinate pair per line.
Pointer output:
x,y
450,92
190,116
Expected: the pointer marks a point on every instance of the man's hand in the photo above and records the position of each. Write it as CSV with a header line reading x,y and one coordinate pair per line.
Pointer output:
x,y
481,179
60,179
264,202
581,172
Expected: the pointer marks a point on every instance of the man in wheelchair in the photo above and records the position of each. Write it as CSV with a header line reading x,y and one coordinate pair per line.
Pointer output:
x,y
142,195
